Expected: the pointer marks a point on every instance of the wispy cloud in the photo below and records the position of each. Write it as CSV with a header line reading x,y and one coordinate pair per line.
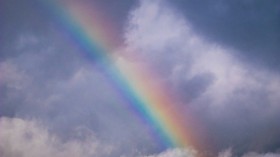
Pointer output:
x,y
29,138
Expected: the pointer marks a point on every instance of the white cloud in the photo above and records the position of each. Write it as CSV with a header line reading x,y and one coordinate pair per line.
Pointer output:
x,y
143,29
176,152
179,152
27,138
162,36
253,154
228,153
238,99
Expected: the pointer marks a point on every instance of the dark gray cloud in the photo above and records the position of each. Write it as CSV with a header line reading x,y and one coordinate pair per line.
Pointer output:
x,y
57,86
17,17
253,27
47,80
20,16
45,77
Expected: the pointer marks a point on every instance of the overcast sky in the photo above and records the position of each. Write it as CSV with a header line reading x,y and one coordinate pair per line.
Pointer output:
x,y
221,59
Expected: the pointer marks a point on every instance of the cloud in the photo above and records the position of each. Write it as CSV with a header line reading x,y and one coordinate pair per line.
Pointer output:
x,y
234,99
179,152
28,138
54,84
228,153
47,79
176,152
164,38
11,76
247,26
253,154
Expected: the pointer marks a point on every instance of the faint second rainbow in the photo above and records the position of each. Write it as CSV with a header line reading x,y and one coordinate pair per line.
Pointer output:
x,y
138,85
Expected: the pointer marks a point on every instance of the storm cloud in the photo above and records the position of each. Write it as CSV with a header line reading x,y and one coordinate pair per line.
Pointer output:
x,y
238,102
220,59
251,27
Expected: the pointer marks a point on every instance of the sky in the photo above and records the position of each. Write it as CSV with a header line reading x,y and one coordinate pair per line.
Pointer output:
x,y
106,78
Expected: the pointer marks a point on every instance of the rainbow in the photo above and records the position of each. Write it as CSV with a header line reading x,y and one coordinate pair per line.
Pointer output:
x,y
138,85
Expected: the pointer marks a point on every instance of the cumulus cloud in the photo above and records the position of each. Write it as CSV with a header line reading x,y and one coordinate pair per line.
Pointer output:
x,y
57,86
233,98
253,154
28,138
165,38
179,152
48,80
176,152
228,153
